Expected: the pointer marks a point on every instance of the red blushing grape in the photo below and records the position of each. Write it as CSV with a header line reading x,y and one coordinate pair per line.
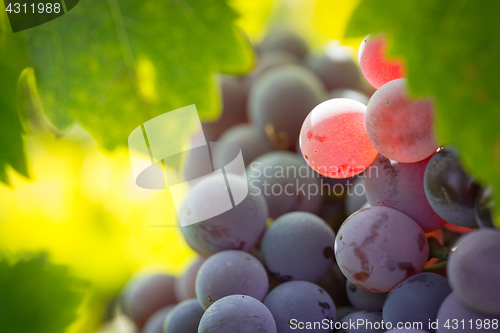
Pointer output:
x,y
333,139
376,67
400,127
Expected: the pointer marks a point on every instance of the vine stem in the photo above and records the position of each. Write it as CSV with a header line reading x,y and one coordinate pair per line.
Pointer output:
x,y
435,267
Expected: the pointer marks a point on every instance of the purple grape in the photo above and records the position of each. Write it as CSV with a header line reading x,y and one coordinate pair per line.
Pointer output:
x,y
362,322
333,282
348,93
155,323
144,295
233,108
184,286
364,300
378,247
286,182
280,100
296,302
455,317
336,70
449,190
267,61
356,195
416,299
474,270
248,138
298,246
184,317
237,313
239,228
230,273
401,186
284,41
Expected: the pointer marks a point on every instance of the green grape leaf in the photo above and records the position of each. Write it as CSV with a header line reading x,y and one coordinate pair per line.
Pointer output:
x,y
12,62
111,65
36,296
452,52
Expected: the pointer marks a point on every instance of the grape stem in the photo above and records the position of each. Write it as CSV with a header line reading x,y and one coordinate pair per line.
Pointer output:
x,y
435,267
438,251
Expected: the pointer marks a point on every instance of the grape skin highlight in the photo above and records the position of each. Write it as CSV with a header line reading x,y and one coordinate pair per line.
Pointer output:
x,y
333,139
378,247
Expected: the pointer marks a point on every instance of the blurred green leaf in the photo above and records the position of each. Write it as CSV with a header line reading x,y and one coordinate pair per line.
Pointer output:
x,y
111,65
12,61
452,51
36,296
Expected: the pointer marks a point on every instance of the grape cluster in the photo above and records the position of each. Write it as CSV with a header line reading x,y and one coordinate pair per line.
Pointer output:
x,y
355,212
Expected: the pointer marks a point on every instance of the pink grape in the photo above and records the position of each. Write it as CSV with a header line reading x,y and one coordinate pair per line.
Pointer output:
x,y
375,66
333,139
378,247
400,127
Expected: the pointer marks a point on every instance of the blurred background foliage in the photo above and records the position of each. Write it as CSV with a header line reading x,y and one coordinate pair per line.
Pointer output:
x,y
71,194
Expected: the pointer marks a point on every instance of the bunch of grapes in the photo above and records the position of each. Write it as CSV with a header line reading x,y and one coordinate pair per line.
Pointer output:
x,y
355,212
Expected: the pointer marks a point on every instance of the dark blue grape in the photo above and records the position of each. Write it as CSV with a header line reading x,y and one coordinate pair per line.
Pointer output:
x,y
451,192
336,70
285,41
474,270
252,143
296,302
362,322
184,317
144,295
280,100
455,317
237,314
239,228
155,323
267,61
286,182
233,108
416,299
229,273
185,285
298,246
364,300
401,186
